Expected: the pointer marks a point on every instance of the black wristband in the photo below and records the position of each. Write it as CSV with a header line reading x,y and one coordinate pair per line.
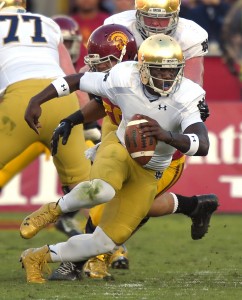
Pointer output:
x,y
75,119
98,99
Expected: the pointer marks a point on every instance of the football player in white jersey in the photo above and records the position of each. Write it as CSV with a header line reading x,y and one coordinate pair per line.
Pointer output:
x,y
32,55
149,18
104,47
71,39
157,79
162,16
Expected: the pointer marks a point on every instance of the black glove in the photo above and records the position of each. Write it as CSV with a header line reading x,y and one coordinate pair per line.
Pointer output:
x,y
64,130
204,110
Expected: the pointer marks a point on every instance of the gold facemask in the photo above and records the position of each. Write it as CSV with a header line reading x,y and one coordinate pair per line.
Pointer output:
x,y
157,9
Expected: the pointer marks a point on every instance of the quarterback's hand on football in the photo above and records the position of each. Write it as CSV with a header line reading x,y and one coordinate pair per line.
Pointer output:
x,y
204,110
32,115
62,131
152,128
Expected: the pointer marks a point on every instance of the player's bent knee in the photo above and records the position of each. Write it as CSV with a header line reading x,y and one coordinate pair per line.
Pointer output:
x,y
89,193
102,191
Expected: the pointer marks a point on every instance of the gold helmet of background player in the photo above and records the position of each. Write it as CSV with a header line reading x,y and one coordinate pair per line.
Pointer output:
x,y
157,16
161,51
13,6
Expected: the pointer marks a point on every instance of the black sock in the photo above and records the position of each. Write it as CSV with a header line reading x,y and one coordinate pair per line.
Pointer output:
x,y
90,228
186,205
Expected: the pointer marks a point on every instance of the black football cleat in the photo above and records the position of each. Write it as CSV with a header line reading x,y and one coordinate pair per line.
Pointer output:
x,y
119,259
206,206
66,271
68,226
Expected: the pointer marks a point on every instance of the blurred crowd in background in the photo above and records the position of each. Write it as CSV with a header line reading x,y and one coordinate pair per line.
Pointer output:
x,y
222,19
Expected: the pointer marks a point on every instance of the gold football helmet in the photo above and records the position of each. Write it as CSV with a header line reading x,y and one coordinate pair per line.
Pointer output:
x,y
159,52
13,6
163,12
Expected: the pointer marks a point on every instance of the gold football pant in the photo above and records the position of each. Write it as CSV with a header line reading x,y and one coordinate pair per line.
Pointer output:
x,y
16,136
135,187
107,126
170,176
19,163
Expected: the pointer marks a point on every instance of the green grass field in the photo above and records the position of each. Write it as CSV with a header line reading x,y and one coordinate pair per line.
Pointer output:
x,y
165,263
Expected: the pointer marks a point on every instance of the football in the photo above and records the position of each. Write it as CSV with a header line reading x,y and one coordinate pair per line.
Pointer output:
x,y
139,147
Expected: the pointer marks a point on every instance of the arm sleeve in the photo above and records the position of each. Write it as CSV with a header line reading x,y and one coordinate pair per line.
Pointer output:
x,y
96,83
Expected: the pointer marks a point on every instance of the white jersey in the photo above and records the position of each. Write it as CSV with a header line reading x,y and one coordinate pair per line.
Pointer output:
x,y
192,38
123,88
28,48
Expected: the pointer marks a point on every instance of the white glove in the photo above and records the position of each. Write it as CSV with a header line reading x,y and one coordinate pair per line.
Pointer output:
x,y
90,153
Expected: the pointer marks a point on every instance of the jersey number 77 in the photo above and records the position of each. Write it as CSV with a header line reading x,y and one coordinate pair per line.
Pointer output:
x,y
14,22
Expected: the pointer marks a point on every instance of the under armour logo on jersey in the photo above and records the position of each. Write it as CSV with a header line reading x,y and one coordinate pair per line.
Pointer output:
x,y
64,87
205,45
162,107
193,138
158,175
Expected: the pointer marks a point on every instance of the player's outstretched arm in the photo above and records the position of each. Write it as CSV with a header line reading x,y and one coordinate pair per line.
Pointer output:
x,y
60,87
